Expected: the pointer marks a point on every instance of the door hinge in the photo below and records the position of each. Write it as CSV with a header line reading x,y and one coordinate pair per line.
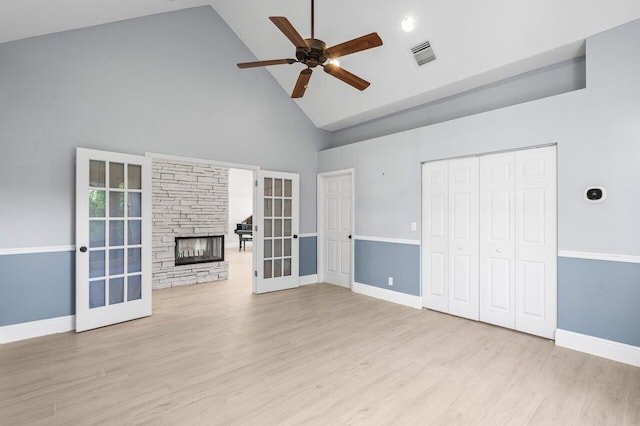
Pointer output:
x,y
256,183
255,273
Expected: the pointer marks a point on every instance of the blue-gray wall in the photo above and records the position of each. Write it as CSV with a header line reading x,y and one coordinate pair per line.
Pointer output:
x,y
308,247
597,132
599,298
36,286
376,261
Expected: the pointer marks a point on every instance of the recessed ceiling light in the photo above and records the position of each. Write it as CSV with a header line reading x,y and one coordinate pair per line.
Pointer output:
x,y
408,24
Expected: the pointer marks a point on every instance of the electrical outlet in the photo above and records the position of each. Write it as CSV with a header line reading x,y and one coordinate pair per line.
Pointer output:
x,y
414,226
390,280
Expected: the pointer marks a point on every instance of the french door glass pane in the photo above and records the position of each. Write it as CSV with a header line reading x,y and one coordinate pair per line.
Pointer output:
x,y
96,203
116,232
135,232
116,204
268,207
277,268
277,186
134,179
287,247
116,175
134,260
96,264
268,231
134,206
267,249
96,173
277,229
267,268
96,233
134,287
277,207
268,187
287,227
287,188
116,261
287,267
96,294
116,290
277,248
287,208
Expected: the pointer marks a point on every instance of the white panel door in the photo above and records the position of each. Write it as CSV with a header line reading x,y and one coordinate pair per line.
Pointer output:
x,y
435,235
275,231
536,241
336,230
463,238
497,239
113,238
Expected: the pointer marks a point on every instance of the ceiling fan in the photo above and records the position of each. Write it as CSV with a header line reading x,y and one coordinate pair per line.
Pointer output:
x,y
313,52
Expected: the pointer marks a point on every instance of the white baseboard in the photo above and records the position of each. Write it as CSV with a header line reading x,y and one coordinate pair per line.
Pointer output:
x,y
29,330
308,279
599,347
388,295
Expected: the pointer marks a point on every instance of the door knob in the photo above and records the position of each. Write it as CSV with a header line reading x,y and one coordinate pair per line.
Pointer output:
x,y
349,236
459,247
83,249
295,236
499,250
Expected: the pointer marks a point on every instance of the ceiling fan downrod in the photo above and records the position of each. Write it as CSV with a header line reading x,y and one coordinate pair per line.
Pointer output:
x,y
312,20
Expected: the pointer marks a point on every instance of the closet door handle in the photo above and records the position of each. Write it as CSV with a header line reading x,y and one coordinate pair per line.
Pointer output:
x,y
499,250
459,247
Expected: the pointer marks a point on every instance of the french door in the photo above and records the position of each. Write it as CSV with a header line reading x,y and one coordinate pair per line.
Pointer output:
x,y
276,231
113,238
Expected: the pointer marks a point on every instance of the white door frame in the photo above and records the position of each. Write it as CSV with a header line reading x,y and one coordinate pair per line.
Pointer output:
x,y
320,217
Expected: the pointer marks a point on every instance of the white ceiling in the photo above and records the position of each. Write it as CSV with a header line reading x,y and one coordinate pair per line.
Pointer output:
x,y
476,42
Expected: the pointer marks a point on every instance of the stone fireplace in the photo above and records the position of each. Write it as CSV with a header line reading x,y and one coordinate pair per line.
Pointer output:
x,y
190,217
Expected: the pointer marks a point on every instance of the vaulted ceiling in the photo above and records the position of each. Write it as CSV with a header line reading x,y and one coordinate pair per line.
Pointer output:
x,y
476,41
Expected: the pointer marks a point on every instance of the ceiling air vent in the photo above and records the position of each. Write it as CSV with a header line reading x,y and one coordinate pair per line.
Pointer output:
x,y
423,53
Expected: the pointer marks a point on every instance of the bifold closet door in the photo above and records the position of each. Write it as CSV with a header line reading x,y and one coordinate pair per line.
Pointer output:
x,y
536,241
435,235
451,237
497,239
463,238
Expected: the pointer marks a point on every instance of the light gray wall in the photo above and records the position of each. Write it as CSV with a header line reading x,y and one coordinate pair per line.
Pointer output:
x,y
598,135
164,83
555,79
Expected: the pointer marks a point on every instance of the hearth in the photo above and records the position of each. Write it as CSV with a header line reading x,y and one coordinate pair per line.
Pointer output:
x,y
190,250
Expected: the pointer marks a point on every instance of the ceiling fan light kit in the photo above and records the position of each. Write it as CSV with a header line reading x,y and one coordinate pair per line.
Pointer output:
x,y
314,52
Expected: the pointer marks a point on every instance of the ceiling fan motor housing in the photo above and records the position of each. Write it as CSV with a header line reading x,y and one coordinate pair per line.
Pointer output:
x,y
315,55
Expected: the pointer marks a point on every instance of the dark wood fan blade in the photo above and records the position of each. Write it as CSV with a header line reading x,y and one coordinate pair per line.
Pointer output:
x,y
302,83
266,63
346,76
289,31
356,45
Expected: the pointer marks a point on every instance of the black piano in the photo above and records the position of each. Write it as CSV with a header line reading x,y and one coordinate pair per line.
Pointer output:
x,y
244,230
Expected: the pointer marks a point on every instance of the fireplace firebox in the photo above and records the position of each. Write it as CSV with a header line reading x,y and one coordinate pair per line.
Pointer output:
x,y
190,250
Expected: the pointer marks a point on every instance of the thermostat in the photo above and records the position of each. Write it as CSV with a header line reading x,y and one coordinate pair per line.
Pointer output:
x,y
595,194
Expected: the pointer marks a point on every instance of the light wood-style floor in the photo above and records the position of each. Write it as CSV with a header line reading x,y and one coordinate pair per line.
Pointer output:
x,y
213,354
